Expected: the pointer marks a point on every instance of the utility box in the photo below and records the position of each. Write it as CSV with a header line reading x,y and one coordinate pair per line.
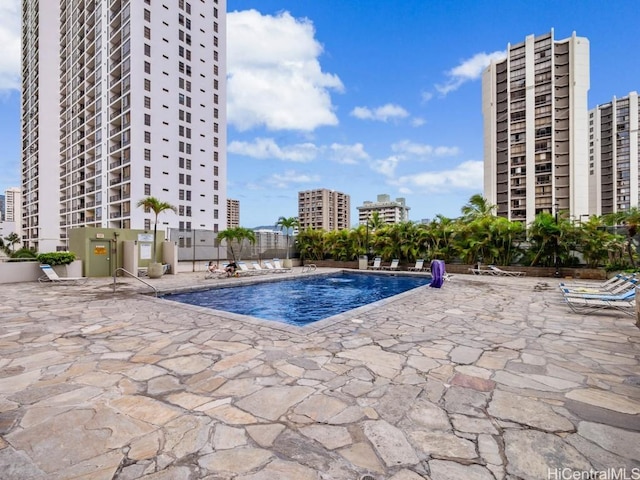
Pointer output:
x,y
363,262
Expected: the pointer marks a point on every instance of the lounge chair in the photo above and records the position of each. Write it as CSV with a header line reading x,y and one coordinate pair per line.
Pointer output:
x,y
625,284
506,273
51,276
610,297
243,269
276,263
394,265
271,268
418,267
606,285
258,268
582,305
483,271
377,264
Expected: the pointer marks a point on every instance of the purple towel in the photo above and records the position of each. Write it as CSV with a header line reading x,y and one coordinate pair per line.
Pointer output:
x,y
437,273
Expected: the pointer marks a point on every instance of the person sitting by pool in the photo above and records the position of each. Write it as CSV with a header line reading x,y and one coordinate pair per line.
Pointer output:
x,y
213,269
231,269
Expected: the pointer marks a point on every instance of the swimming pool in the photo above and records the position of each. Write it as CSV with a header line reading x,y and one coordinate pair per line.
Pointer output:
x,y
304,300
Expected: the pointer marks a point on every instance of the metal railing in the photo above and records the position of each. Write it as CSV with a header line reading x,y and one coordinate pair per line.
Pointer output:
x,y
115,274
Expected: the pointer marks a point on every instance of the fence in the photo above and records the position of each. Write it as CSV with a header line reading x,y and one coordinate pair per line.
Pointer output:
x,y
203,245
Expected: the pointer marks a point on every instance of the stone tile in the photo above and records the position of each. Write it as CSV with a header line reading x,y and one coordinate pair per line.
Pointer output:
x,y
279,469
445,470
264,435
531,455
528,411
607,400
362,455
390,443
385,364
272,402
441,444
465,355
237,460
186,365
331,437
466,424
226,437
145,409
474,383
615,440
320,408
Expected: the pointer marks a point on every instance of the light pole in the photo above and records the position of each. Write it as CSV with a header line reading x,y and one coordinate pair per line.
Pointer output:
x,y
555,254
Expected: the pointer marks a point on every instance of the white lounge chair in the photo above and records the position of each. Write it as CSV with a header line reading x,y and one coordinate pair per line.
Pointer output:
x,y
271,268
50,275
582,304
483,271
377,264
418,267
506,273
626,284
245,270
394,265
276,263
258,268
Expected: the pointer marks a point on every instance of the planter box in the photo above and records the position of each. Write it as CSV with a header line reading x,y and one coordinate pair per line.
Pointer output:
x,y
74,269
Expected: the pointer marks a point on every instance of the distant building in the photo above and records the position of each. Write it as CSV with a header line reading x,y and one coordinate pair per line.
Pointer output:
x,y
614,155
390,211
1,208
323,209
12,205
233,213
534,104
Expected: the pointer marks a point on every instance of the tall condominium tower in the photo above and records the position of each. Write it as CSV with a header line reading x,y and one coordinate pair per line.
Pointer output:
x,y
122,99
233,213
614,155
534,104
390,211
323,209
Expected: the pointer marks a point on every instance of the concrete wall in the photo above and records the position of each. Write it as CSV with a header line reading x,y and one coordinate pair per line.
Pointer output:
x,y
16,272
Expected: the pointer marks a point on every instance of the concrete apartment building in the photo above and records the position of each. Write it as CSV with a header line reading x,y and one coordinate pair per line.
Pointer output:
x,y
390,211
534,104
122,99
323,209
614,155
233,213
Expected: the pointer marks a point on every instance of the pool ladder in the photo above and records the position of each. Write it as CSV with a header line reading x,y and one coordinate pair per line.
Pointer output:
x,y
122,270
311,267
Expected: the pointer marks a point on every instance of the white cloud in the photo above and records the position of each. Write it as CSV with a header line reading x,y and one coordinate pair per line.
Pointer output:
x,y
290,177
386,166
382,114
469,69
267,148
348,154
9,45
274,77
426,96
423,150
417,122
466,176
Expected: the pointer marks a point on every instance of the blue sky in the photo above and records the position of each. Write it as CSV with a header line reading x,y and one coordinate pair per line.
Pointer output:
x,y
365,96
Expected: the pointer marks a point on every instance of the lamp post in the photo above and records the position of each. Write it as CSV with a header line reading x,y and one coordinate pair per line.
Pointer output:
x,y
555,254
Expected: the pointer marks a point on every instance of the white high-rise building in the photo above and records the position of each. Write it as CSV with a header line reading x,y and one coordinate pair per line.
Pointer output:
x,y
614,155
12,205
534,104
390,211
122,99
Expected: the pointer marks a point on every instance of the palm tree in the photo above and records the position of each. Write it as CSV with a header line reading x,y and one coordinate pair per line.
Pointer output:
x,y
287,223
477,207
631,220
311,244
157,207
237,235
12,239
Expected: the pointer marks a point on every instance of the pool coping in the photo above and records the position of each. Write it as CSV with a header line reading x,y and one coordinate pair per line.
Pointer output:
x,y
287,327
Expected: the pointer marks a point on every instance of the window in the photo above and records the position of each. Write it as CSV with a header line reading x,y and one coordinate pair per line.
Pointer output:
x,y
147,137
181,210
147,32
147,84
215,184
215,170
188,211
188,164
147,102
147,172
147,189
181,146
147,119
147,15
147,50
188,149
181,162
189,195
180,194
147,67
188,179
215,214
215,199
147,154
147,224
181,51
181,178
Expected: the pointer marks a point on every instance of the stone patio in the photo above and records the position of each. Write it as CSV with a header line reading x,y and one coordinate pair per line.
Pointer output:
x,y
486,378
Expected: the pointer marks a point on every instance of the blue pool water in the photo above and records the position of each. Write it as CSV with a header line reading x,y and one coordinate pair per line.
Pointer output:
x,y
303,300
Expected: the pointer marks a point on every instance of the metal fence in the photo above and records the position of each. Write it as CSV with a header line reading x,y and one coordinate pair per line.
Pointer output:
x,y
203,245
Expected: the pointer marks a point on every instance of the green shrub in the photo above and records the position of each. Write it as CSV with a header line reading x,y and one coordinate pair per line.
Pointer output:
x,y
57,258
24,253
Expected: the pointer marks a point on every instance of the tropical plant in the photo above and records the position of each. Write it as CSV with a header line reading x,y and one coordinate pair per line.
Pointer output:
x,y
24,253
287,224
235,238
157,207
631,220
477,207
56,258
11,240
310,244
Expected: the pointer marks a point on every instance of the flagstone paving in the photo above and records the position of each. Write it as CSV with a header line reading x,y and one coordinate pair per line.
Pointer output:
x,y
487,378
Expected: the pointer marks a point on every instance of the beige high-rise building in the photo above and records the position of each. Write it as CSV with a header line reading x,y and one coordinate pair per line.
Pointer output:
x,y
233,213
122,99
534,104
614,155
390,211
323,209
13,205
